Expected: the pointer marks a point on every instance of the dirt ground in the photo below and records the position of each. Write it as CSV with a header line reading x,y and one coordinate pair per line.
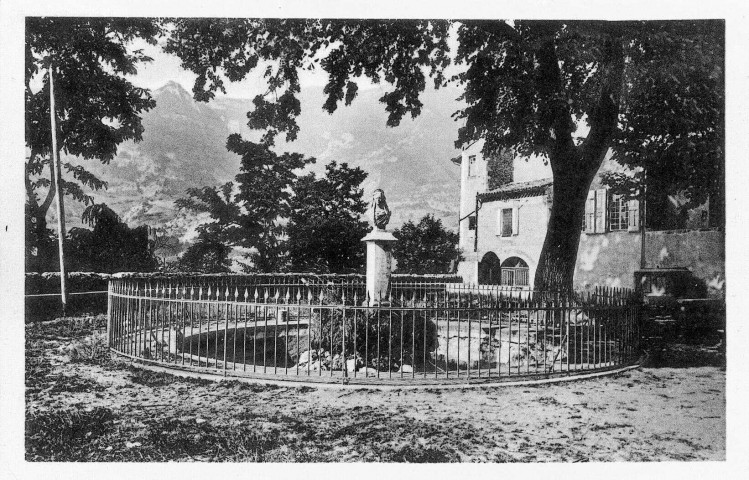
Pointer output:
x,y
93,408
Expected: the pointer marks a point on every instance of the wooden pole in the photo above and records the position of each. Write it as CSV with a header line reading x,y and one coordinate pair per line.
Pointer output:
x,y
58,193
643,218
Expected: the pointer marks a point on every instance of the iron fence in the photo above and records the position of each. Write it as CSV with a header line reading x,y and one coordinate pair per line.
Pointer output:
x,y
332,332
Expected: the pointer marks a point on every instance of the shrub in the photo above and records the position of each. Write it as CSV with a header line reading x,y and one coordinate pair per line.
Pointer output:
x,y
92,349
375,336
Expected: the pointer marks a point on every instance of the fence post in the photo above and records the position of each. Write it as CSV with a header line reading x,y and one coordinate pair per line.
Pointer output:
x,y
109,313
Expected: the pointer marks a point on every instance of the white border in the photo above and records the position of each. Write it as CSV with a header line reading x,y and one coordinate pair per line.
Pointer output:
x,y
12,13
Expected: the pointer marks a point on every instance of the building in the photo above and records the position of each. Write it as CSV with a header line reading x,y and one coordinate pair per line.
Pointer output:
x,y
505,205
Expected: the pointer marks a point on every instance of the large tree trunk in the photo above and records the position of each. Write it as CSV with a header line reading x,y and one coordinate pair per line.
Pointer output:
x,y
556,265
573,166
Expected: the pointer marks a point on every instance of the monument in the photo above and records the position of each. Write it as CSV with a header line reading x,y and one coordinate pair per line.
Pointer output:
x,y
379,250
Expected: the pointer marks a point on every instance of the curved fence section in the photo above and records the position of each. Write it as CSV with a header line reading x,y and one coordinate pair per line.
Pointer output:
x,y
327,332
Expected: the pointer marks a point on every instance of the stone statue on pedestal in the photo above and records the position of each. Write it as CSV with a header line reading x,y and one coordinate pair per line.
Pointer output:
x,y
380,210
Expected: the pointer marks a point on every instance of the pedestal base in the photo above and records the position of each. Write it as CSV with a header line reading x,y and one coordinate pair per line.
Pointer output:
x,y
379,264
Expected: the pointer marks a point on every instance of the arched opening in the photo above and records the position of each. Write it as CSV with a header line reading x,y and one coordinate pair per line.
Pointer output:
x,y
515,272
489,269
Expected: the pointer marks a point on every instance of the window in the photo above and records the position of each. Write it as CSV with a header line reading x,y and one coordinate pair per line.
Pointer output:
x,y
618,213
508,222
472,166
605,212
515,272
472,222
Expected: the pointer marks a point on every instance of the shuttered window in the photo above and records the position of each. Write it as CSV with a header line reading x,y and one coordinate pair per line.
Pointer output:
x,y
618,213
506,222
509,222
472,166
590,212
604,212
633,221
601,210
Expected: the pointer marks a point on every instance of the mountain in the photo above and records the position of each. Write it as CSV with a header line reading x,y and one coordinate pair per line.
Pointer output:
x,y
184,146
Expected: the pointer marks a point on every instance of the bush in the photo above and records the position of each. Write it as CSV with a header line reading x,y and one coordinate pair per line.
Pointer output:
x,y
363,329
92,349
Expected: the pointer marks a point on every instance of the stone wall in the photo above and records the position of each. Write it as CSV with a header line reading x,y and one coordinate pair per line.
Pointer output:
x,y
607,259
701,251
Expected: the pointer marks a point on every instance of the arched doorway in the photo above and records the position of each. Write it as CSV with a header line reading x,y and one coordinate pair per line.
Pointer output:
x,y
489,269
515,272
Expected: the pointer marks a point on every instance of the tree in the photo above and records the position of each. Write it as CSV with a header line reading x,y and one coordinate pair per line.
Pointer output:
x,y
252,216
426,247
205,256
110,246
325,226
97,108
528,85
672,128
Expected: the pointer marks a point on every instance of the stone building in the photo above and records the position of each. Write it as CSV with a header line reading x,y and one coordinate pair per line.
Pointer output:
x,y
504,210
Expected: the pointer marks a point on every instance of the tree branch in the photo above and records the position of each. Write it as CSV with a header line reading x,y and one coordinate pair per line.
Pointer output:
x,y
604,117
554,110
51,192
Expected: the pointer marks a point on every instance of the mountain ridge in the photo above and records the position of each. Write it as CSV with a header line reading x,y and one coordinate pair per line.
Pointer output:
x,y
184,145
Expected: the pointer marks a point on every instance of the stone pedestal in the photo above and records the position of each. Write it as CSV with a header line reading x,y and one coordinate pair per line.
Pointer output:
x,y
379,263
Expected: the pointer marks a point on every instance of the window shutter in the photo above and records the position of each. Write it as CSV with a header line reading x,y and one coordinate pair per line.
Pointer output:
x,y
590,211
601,210
515,220
633,215
499,222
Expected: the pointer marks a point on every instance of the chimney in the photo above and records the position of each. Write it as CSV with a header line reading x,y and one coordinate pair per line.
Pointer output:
x,y
499,169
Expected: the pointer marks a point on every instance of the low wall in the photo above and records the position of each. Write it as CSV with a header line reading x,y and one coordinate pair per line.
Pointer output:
x,y
608,259
46,306
611,259
701,251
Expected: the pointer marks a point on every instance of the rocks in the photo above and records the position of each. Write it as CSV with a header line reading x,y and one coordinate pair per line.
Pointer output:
x,y
315,360
406,369
368,372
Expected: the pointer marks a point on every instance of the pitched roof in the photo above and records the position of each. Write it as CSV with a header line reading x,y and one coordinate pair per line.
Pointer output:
x,y
533,188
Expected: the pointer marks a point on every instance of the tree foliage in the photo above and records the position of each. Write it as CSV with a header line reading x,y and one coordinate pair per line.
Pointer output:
x,y
110,246
426,247
205,256
251,213
97,107
325,226
528,86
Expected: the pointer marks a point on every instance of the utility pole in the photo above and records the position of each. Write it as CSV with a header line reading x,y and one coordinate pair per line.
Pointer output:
x,y
58,192
643,217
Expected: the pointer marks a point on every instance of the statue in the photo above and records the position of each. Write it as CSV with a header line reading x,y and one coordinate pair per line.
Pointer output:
x,y
380,210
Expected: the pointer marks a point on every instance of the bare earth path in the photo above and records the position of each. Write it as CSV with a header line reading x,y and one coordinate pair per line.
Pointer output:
x,y
108,411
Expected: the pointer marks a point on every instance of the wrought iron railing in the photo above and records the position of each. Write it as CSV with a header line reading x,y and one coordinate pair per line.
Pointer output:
x,y
332,332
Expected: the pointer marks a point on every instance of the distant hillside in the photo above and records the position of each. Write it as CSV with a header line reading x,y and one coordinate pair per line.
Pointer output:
x,y
184,146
